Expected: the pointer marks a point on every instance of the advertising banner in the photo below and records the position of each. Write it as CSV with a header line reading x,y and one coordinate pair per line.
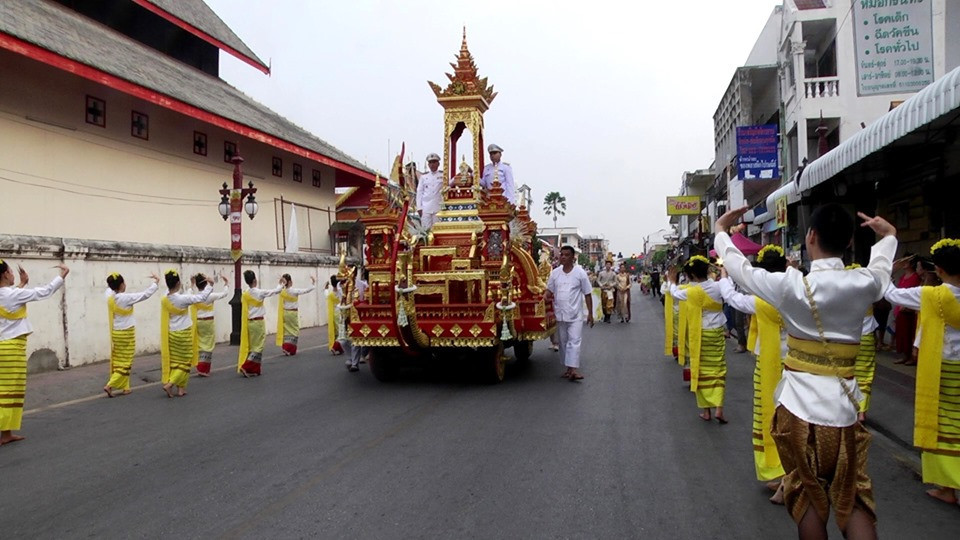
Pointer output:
x,y
683,206
757,153
894,45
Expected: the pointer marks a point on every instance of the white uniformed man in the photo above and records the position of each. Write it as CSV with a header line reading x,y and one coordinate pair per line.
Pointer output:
x,y
502,170
428,192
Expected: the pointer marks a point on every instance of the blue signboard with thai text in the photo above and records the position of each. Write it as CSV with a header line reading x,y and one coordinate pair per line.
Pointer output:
x,y
757,154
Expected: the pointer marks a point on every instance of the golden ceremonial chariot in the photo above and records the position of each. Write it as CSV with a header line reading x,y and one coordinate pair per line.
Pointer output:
x,y
469,287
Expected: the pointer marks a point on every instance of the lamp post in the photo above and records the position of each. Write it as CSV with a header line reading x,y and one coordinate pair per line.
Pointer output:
x,y
232,207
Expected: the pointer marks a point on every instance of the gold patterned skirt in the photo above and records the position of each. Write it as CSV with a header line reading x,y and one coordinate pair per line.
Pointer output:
x,y
942,466
825,467
767,469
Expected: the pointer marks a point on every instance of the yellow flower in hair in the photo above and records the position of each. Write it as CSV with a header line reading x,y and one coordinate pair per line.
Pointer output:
x,y
171,272
853,266
696,258
769,248
115,275
946,242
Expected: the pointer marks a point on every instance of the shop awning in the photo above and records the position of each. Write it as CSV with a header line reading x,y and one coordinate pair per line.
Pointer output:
x,y
788,190
929,104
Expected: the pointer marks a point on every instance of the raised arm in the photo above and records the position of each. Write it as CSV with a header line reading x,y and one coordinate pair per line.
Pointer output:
x,y
129,299
908,298
767,285
22,296
741,302
882,253
677,292
298,292
190,299
260,294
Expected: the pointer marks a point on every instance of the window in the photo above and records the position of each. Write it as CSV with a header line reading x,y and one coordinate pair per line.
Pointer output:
x,y
199,143
277,167
96,111
229,150
140,125
297,173
316,178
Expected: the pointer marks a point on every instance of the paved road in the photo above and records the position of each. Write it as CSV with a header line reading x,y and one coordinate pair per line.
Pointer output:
x,y
309,450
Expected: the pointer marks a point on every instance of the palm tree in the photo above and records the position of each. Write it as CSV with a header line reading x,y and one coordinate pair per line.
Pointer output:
x,y
556,205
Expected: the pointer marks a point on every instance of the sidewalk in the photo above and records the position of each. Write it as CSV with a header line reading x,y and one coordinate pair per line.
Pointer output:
x,y
53,389
891,405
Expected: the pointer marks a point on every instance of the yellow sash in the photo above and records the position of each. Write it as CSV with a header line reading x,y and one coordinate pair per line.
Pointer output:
x,y
819,358
167,308
697,301
668,324
14,315
938,308
284,297
765,325
112,312
682,331
246,301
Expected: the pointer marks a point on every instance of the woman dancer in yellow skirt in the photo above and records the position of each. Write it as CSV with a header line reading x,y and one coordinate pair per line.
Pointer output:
x,y
288,314
253,331
123,329
706,345
203,317
14,329
937,410
178,334
768,341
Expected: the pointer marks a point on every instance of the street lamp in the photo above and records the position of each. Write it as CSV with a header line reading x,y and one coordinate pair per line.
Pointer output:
x,y
231,207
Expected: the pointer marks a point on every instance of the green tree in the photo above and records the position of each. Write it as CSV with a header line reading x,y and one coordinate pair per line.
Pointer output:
x,y
554,205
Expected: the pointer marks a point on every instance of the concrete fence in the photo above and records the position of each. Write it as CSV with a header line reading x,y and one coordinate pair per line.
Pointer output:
x,y
71,328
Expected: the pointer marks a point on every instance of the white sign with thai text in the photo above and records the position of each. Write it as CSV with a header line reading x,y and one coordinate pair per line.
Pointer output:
x,y
894,45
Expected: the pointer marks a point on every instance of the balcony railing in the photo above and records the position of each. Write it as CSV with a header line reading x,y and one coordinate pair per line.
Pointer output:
x,y
821,87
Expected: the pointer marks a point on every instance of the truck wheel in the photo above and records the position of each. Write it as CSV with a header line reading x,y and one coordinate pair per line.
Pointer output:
x,y
522,350
383,364
492,364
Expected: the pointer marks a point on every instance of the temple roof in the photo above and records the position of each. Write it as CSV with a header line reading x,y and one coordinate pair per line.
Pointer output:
x,y
196,17
120,62
465,81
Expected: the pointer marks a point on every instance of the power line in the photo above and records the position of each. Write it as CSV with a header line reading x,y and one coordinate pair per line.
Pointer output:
x,y
99,196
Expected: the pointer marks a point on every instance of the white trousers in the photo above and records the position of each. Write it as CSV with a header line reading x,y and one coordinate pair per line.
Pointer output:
x,y
427,220
570,334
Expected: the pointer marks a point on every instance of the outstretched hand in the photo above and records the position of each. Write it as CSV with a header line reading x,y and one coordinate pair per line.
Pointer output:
x,y
879,225
155,277
63,270
313,280
24,278
731,218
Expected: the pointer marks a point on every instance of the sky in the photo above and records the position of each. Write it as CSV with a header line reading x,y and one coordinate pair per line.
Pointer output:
x,y
606,102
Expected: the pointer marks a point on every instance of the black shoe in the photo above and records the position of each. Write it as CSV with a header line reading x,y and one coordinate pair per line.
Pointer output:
x,y
353,369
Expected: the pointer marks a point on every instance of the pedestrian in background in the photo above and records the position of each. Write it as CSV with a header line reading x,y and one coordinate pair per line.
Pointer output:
x,y
565,287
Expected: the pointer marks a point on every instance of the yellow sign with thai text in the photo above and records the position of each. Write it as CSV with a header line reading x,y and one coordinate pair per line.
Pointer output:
x,y
683,206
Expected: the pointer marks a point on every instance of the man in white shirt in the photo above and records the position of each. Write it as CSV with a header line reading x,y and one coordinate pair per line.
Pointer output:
x,y
500,171
822,446
566,285
428,192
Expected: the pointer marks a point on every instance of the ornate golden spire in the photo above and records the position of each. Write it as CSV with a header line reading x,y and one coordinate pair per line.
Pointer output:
x,y
465,81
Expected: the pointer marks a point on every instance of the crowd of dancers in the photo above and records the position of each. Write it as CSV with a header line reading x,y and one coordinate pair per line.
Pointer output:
x,y
187,331
812,333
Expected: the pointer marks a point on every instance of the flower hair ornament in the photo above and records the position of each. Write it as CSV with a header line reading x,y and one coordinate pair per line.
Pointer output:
x,y
767,250
853,266
946,242
171,272
115,275
696,258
